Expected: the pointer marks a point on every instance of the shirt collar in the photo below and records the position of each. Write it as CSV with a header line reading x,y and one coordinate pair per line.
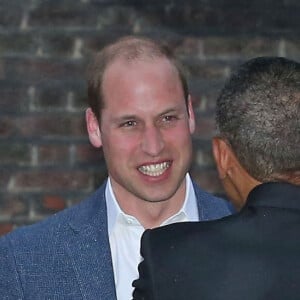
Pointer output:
x,y
188,211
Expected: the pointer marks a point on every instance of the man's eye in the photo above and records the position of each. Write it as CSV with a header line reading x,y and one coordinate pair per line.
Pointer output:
x,y
128,124
169,118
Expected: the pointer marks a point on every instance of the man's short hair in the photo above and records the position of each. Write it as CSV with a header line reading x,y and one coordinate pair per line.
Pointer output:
x,y
258,113
129,48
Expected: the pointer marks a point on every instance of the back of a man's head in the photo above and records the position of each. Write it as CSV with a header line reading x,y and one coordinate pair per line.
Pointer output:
x,y
258,113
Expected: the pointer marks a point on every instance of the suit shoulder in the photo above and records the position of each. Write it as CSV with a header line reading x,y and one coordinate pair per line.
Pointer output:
x,y
210,206
45,231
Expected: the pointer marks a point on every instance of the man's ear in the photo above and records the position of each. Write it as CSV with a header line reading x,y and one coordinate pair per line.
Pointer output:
x,y
222,154
93,128
235,179
192,124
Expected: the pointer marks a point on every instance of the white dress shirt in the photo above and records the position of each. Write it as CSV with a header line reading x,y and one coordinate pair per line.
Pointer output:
x,y
125,232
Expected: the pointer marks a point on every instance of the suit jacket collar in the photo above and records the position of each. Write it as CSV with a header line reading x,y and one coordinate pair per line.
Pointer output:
x,y
211,207
275,194
87,240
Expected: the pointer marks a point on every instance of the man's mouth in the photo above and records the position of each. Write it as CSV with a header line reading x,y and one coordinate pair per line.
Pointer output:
x,y
155,169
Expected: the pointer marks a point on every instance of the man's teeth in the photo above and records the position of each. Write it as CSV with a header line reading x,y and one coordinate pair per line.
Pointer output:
x,y
155,169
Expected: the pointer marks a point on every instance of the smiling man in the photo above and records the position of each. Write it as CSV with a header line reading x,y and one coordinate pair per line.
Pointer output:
x,y
141,115
144,130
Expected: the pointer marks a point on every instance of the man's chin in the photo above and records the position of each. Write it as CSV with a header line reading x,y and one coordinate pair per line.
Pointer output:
x,y
151,198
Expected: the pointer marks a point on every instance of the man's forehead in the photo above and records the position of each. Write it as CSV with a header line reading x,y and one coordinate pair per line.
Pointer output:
x,y
123,63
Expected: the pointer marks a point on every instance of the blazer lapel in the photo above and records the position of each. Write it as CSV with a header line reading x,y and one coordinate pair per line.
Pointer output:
x,y
89,250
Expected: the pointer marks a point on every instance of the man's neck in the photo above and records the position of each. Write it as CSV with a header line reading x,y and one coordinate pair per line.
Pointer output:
x,y
151,214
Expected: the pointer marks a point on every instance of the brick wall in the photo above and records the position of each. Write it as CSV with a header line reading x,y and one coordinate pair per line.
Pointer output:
x,y
46,162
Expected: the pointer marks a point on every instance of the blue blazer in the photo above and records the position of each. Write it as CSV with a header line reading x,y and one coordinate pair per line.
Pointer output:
x,y
67,256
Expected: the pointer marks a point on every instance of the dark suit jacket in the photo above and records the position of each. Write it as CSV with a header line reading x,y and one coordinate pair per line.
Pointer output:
x,y
248,256
68,256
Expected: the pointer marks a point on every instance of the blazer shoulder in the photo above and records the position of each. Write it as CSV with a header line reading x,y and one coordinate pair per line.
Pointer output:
x,y
84,214
211,207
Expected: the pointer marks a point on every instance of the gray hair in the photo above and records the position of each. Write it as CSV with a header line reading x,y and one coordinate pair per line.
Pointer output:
x,y
258,113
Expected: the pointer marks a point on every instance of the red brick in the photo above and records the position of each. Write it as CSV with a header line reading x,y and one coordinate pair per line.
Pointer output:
x,y
235,48
22,42
50,97
95,42
73,200
80,98
15,154
6,228
88,154
52,125
54,202
11,13
36,69
12,205
13,97
49,154
190,46
62,14
51,180
4,178
205,127
58,44
7,127
206,70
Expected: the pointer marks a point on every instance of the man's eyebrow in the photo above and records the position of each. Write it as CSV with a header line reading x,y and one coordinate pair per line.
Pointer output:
x,y
124,118
175,109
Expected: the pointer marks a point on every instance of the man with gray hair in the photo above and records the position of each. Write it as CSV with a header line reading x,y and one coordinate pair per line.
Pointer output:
x,y
254,254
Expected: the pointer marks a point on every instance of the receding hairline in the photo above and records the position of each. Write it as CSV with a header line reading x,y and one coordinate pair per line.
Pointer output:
x,y
123,66
130,48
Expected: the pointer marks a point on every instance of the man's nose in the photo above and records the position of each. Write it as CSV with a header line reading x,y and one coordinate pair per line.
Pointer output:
x,y
152,141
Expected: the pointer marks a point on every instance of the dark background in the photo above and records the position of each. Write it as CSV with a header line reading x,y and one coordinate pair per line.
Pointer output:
x,y
46,162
